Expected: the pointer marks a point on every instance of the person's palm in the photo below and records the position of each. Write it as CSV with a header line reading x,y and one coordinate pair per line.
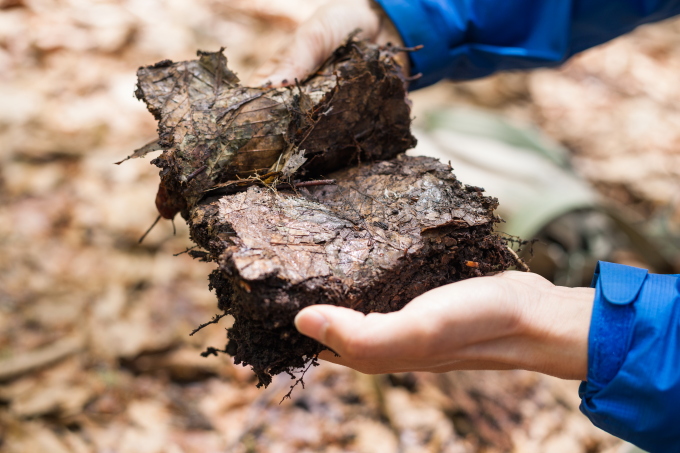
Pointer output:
x,y
513,320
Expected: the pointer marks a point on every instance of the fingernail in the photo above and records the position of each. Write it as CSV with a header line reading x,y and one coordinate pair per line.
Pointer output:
x,y
311,323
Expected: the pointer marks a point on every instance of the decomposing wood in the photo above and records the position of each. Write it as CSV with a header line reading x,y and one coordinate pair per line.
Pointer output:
x,y
216,131
251,170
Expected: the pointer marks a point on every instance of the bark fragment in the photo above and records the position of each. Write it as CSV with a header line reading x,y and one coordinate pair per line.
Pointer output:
x,y
215,131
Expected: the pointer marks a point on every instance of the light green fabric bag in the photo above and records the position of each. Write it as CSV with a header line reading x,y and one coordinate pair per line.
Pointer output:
x,y
540,194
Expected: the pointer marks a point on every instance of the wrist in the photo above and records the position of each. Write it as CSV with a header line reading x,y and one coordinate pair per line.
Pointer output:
x,y
555,326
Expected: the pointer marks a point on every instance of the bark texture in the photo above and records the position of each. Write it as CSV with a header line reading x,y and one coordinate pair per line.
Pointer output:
x,y
215,131
384,234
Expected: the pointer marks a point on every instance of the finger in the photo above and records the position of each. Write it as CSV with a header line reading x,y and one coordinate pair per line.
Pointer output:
x,y
375,365
330,325
316,39
356,336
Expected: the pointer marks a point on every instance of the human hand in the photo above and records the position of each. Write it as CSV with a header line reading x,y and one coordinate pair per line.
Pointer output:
x,y
317,38
508,321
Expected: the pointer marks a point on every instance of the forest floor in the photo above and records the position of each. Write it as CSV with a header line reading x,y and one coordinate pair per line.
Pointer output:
x,y
95,352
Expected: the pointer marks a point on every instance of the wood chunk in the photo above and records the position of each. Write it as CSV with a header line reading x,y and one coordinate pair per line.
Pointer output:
x,y
382,235
214,130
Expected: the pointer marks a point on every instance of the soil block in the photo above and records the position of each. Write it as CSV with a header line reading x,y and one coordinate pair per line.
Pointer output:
x,y
383,234
215,131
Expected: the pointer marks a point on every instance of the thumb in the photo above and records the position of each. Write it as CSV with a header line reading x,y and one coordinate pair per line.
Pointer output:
x,y
328,324
356,336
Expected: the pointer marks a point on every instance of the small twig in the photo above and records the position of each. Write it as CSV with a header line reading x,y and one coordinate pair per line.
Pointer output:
x,y
196,172
213,351
407,49
296,185
215,320
320,182
149,230
278,162
185,251
518,261
292,243
300,380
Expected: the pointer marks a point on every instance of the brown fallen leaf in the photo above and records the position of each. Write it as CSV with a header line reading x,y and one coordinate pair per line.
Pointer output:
x,y
31,361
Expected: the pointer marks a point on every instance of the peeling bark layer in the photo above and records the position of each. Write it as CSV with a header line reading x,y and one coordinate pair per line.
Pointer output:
x,y
384,234
215,131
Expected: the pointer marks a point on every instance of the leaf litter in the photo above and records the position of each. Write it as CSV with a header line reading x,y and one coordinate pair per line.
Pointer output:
x,y
71,266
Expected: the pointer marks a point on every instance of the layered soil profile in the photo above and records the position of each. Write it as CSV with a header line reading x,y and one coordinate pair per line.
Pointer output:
x,y
382,235
302,195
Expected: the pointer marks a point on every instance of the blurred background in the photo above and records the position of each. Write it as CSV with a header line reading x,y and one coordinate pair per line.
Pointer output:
x,y
95,352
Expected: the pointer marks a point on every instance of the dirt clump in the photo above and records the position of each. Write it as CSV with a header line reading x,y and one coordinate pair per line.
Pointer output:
x,y
382,235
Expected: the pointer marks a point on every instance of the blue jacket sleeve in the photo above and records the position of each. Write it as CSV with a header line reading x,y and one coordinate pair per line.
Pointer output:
x,y
633,386
467,39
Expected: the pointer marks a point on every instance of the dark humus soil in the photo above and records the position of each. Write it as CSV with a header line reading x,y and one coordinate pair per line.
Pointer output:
x,y
250,171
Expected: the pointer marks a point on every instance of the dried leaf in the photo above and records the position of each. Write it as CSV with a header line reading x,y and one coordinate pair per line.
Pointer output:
x,y
143,151
293,163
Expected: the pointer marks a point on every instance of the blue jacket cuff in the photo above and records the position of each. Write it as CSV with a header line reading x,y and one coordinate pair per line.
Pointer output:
x,y
616,288
419,24
470,39
633,386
